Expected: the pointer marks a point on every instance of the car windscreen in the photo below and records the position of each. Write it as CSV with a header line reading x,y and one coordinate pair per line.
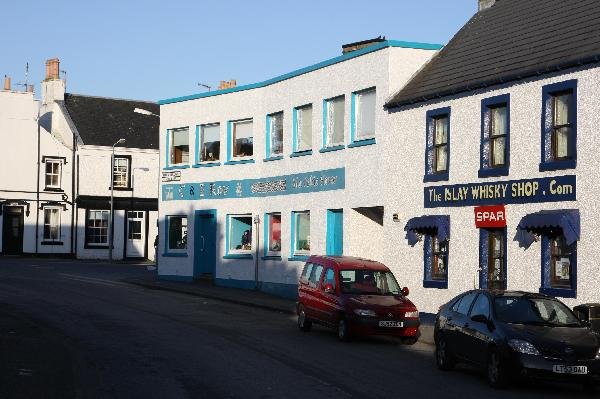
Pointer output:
x,y
368,282
533,310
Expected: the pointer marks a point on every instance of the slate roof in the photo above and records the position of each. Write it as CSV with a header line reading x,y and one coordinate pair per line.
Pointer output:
x,y
103,121
512,40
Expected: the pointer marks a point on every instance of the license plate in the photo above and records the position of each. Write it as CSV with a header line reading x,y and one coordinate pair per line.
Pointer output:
x,y
562,369
391,324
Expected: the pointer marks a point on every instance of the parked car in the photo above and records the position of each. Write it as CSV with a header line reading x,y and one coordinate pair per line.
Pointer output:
x,y
355,296
516,334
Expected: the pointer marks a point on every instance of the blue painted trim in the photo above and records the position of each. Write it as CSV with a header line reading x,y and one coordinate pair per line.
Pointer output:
x,y
486,105
293,256
265,234
546,129
431,176
330,149
166,252
277,158
311,68
294,129
362,143
181,279
211,252
176,167
206,165
174,255
197,145
546,269
237,256
334,239
168,155
282,290
239,162
232,283
268,136
271,257
298,258
229,144
435,284
301,153
484,257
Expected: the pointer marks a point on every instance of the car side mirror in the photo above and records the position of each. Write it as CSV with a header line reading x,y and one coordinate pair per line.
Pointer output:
x,y
405,291
479,318
329,288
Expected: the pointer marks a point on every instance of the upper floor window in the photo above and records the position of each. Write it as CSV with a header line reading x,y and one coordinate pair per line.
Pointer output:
x,y
302,128
495,142
363,115
210,143
179,141
121,171
437,158
53,173
242,139
274,134
333,123
559,126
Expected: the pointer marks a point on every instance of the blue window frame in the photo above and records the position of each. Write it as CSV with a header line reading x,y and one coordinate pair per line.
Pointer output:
x,y
274,136
300,235
492,258
559,266
302,130
437,148
238,236
176,236
208,145
362,117
494,158
334,120
435,261
559,126
240,142
177,148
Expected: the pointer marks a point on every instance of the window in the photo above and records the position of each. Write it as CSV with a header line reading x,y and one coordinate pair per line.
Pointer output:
x,y
560,263
121,172
315,276
481,306
241,139
439,252
53,173
559,266
239,234
302,128
306,272
134,228
177,232
274,134
273,236
437,158
559,126
333,122
51,224
329,278
210,144
435,258
495,140
301,233
180,146
363,115
97,228
492,258
464,304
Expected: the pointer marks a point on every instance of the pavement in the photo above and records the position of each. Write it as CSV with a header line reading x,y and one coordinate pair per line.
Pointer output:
x,y
258,299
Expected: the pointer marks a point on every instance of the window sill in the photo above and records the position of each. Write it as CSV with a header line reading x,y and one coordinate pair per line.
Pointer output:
x,y
271,257
334,148
275,158
493,172
55,189
237,256
443,284
176,167
91,246
299,258
175,255
361,143
300,153
239,162
52,243
206,165
121,188
558,165
435,177
559,292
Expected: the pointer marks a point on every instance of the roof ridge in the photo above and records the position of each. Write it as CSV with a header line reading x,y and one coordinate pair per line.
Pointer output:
x,y
111,98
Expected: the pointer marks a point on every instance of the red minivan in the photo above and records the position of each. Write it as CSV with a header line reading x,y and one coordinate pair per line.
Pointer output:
x,y
356,297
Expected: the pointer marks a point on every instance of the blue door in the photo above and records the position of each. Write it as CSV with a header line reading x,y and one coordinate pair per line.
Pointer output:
x,y
335,232
205,243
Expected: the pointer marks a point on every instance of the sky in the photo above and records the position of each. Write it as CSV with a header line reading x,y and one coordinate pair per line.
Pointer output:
x,y
159,49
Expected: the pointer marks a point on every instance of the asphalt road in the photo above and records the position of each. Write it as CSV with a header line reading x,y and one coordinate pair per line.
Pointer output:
x,y
125,341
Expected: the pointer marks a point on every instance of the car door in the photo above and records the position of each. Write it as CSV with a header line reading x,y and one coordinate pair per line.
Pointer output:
x,y
456,323
304,294
476,333
329,300
314,304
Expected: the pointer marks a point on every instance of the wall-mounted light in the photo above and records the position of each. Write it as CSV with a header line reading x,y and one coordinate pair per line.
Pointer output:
x,y
395,217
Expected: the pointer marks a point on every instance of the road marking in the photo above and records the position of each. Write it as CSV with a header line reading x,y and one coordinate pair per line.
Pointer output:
x,y
93,280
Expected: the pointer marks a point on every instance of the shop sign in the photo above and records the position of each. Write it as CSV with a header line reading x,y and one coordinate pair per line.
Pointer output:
x,y
490,216
321,180
168,176
545,189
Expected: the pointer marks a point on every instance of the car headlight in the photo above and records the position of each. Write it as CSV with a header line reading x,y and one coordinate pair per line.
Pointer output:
x,y
598,354
412,315
365,312
522,346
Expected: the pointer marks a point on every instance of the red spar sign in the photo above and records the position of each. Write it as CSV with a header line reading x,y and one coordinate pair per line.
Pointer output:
x,y
490,216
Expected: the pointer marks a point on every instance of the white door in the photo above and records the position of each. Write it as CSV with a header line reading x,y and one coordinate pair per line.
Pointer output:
x,y
136,234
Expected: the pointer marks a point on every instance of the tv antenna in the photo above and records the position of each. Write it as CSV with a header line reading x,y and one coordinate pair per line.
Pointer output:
x,y
205,86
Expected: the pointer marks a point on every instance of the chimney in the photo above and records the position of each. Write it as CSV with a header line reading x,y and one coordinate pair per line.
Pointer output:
x,y
52,69
6,82
485,4
227,84
350,47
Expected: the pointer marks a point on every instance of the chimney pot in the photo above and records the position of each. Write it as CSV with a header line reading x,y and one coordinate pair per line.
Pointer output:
x,y
227,84
6,82
52,69
485,4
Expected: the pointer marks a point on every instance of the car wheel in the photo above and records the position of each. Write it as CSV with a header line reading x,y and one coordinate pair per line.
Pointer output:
x,y
443,358
304,323
342,330
497,375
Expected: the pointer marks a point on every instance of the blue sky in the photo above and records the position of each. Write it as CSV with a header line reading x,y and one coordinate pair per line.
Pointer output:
x,y
155,49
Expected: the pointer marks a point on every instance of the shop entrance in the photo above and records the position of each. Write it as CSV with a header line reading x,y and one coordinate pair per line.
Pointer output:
x,y
492,258
12,230
335,232
205,243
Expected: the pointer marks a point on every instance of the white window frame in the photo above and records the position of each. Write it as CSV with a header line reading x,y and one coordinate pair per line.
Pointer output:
x,y
50,238
271,118
87,228
295,250
172,146
357,114
329,123
201,143
59,174
298,131
126,172
234,251
234,124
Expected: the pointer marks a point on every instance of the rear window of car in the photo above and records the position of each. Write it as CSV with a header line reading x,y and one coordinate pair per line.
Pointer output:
x,y
463,304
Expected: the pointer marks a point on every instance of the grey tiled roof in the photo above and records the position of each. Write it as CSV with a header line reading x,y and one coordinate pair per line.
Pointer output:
x,y
512,40
103,121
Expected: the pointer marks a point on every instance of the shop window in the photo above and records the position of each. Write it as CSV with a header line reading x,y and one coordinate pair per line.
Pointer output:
x,y
363,115
559,266
179,146
53,173
241,144
495,136
177,232
121,172
333,123
435,255
96,232
301,233
492,258
273,234
239,234
51,224
210,143
437,156
274,135
559,126
302,129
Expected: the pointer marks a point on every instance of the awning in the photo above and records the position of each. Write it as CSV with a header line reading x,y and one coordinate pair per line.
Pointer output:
x,y
543,222
422,224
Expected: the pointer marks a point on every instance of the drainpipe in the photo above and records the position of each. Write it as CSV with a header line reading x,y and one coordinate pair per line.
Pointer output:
x,y
73,199
257,224
37,191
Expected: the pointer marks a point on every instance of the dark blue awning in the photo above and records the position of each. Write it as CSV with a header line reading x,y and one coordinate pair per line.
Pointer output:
x,y
422,224
543,222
